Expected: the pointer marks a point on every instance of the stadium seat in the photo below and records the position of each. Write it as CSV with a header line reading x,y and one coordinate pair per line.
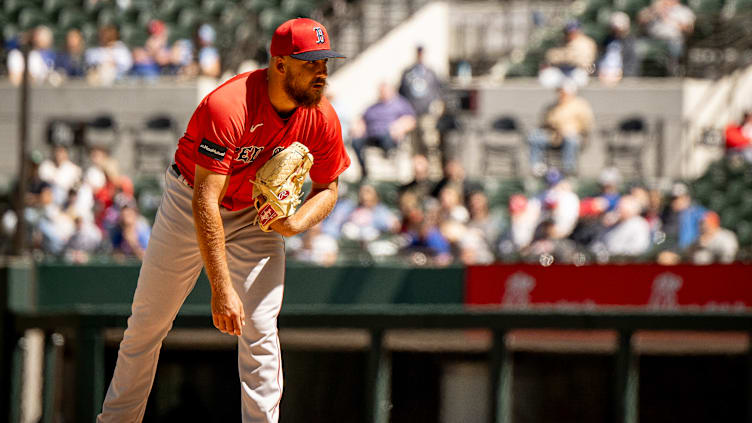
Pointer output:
x,y
502,144
30,17
706,7
625,144
154,142
257,6
70,17
297,7
270,19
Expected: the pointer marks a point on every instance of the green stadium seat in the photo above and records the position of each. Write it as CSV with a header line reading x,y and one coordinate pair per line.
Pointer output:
x,y
9,31
133,34
598,32
108,16
270,19
71,17
706,7
168,10
592,9
297,7
213,7
717,201
188,19
633,7
257,6
735,191
744,233
655,62
730,218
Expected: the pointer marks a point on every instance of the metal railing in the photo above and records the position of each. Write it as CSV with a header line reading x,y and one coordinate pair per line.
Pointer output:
x,y
89,321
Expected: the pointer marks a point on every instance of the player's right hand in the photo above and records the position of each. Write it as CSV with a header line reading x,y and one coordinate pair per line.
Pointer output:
x,y
227,311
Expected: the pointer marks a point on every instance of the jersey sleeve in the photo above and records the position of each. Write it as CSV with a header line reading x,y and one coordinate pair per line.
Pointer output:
x,y
220,127
330,158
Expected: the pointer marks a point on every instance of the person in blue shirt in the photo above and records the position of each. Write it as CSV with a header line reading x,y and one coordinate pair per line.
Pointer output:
x,y
385,124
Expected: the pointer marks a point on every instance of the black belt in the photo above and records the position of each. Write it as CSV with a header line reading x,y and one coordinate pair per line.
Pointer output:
x,y
180,176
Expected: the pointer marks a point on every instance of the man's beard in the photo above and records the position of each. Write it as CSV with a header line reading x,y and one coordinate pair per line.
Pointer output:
x,y
302,96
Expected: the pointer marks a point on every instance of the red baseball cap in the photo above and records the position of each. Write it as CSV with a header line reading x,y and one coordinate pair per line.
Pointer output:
x,y
302,39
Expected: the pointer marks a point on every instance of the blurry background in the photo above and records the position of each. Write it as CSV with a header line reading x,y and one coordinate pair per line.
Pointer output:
x,y
587,154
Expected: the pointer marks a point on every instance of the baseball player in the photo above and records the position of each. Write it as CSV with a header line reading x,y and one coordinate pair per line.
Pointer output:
x,y
218,212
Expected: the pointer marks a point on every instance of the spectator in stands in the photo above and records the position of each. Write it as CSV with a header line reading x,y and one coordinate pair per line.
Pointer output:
x,y
574,61
524,216
609,181
560,204
420,185
739,136
671,22
110,60
208,56
371,219
41,57
422,88
489,224
627,233
70,62
424,242
61,173
565,124
131,234
547,244
481,232
154,57
681,220
344,207
715,244
619,57
85,240
384,124
451,207
317,247
51,228
455,176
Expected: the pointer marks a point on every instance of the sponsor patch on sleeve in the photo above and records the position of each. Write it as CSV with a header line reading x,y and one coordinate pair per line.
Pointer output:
x,y
215,151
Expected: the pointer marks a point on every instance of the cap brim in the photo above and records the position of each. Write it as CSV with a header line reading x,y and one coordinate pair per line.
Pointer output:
x,y
310,56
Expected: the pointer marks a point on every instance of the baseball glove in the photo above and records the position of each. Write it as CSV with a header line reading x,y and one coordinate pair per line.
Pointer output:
x,y
278,184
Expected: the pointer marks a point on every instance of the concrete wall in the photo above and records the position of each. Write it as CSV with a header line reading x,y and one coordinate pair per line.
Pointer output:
x,y
684,107
656,100
355,84
130,104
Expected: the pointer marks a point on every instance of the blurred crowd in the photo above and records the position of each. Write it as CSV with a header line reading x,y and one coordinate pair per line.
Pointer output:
x,y
452,221
622,52
111,59
74,213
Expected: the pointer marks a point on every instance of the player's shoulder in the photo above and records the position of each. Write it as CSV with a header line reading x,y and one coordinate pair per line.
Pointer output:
x,y
235,90
326,112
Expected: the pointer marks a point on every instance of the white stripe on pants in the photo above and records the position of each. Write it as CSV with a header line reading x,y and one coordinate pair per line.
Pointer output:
x,y
171,266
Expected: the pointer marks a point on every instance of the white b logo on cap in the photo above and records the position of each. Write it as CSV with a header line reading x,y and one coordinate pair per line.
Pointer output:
x,y
319,35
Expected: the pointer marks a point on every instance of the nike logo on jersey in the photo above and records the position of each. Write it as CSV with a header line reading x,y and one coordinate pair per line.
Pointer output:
x,y
254,127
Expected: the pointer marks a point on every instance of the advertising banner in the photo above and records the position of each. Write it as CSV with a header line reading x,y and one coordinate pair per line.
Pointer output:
x,y
718,287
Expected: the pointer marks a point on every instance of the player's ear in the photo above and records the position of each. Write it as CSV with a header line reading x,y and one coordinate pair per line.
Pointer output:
x,y
279,64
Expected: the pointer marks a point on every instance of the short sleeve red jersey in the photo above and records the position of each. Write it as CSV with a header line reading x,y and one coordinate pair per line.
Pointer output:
x,y
235,129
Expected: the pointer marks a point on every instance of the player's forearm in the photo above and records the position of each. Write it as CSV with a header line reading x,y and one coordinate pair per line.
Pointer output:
x,y
317,206
211,241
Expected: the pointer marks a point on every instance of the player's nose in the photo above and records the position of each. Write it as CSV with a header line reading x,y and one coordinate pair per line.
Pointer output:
x,y
321,68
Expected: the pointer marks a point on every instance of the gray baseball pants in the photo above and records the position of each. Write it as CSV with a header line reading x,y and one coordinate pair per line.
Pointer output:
x,y
169,271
